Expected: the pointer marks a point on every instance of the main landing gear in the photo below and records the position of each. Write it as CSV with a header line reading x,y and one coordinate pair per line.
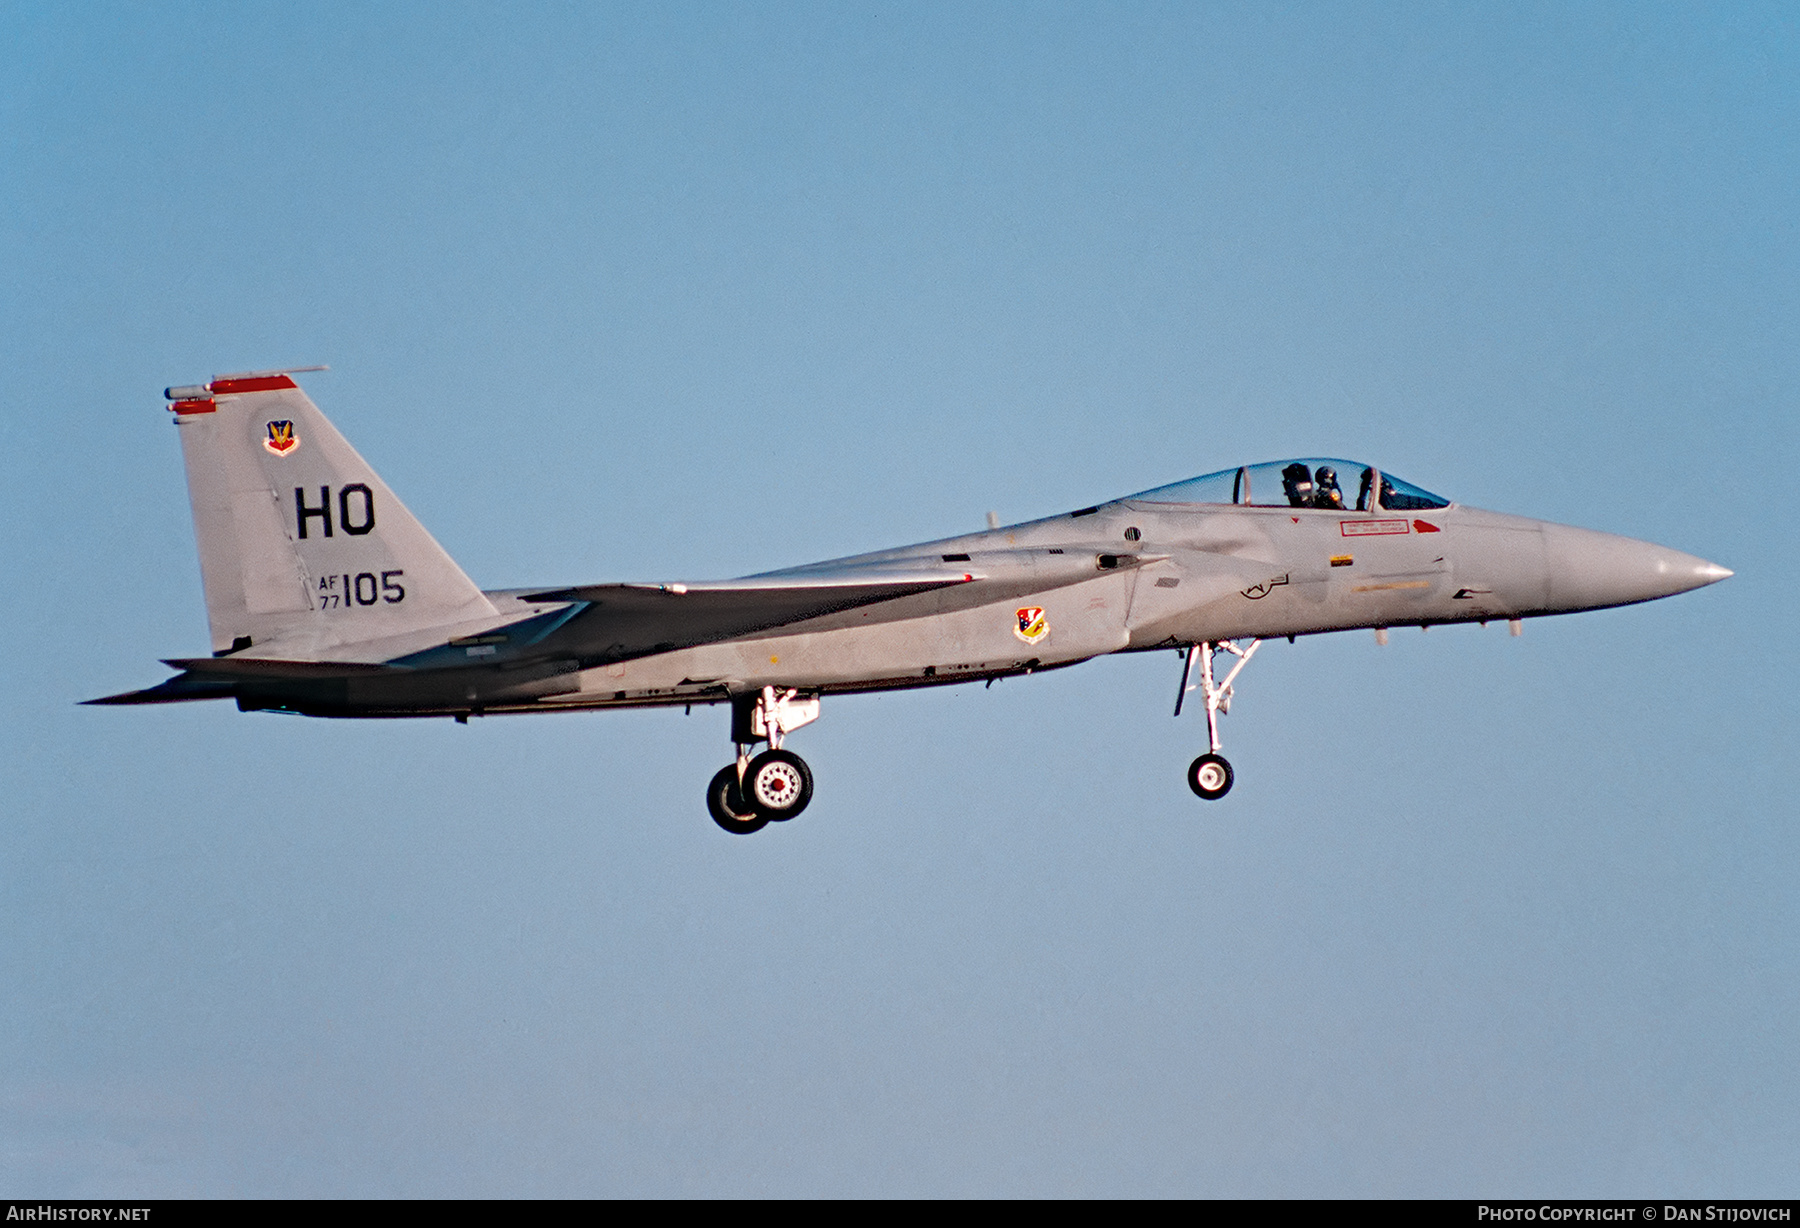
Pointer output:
x,y
771,787
1210,775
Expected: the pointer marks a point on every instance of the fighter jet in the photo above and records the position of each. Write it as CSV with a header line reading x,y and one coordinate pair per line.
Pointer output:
x,y
326,597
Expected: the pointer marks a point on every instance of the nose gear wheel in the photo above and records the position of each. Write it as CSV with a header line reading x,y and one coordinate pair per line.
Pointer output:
x,y
1209,777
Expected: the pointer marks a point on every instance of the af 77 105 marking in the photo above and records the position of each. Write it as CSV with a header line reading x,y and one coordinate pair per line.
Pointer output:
x,y
303,549
364,588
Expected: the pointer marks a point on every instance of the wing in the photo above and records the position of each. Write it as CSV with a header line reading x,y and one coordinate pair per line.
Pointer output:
x,y
614,622
619,621
605,623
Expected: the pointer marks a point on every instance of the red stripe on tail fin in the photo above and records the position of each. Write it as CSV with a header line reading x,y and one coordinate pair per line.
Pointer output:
x,y
261,383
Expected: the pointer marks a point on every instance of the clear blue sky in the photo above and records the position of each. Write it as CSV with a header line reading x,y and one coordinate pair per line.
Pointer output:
x,y
1483,915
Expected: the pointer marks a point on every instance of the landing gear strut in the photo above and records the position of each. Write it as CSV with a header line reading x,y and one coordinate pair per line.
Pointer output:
x,y
771,787
1210,775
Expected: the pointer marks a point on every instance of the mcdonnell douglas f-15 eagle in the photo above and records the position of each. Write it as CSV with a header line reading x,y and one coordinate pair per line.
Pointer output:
x,y
326,597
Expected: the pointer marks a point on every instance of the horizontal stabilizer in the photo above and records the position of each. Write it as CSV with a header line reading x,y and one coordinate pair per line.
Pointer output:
x,y
180,689
218,677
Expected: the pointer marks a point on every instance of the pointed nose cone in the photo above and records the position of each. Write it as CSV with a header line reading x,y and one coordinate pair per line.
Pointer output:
x,y
1590,570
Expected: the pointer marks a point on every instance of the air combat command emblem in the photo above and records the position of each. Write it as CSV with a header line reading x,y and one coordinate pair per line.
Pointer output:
x,y
282,439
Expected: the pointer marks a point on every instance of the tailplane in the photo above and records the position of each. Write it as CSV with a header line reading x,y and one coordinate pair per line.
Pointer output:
x,y
301,543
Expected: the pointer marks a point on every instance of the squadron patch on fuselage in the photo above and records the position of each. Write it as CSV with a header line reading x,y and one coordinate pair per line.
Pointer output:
x,y
1032,625
282,439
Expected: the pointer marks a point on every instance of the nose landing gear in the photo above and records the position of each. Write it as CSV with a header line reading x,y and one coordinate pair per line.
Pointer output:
x,y
1210,775
771,787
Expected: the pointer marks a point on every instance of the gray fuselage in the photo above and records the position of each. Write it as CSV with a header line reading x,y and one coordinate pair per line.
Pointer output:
x,y
1126,576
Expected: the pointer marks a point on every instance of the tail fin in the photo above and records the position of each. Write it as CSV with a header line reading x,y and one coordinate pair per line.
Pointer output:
x,y
299,539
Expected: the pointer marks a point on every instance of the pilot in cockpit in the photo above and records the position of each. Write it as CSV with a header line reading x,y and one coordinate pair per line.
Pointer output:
x,y
1297,485
1328,496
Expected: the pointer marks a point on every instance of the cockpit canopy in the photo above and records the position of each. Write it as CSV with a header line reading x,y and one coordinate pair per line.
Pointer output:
x,y
1312,482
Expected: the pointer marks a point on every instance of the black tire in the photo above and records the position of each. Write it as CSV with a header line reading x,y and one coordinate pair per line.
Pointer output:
x,y
777,785
726,805
1210,777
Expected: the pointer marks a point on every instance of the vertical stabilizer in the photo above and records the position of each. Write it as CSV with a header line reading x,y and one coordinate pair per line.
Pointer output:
x,y
300,540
